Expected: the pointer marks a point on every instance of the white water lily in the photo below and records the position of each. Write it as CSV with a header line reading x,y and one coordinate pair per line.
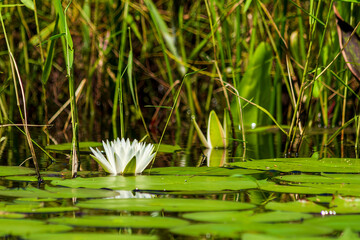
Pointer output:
x,y
123,157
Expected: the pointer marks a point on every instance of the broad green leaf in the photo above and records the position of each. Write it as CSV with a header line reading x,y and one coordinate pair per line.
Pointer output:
x,y
163,204
337,222
345,205
89,236
166,148
161,183
14,170
215,133
234,230
20,227
261,236
256,86
67,146
324,178
120,221
330,165
34,208
246,216
28,3
298,206
200,171
56,192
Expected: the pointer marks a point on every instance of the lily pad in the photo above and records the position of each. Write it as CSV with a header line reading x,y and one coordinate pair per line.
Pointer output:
x,y
234,230
329,165
164,204
121,221
299,189
297,206
32,208
259,236
160,183
246,216
325,178
337,222
89,236
200,171
14,170
20,227
56,192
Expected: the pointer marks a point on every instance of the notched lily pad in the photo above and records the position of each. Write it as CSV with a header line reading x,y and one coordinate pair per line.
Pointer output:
x,y
246,216
164,204
161,183
89,236
56,192
121,221
200,171
329,165
15,170
20,227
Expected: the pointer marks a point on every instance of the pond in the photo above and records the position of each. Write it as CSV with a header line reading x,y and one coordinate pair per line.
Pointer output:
x,y
189,193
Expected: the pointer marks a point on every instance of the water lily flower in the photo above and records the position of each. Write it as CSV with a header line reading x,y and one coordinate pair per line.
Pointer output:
x,y
123,157
216,134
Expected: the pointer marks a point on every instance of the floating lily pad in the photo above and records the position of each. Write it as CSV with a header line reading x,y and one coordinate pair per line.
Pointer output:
x,y
121,221
20,227
164,204
14,170
56,192
234,230
326,178
160,183
330,165
200,171
28,178
320,199
298,206
166,148
11,215
89,236
259,236
68,146
345,204
337,222
18,208
299,189
246,216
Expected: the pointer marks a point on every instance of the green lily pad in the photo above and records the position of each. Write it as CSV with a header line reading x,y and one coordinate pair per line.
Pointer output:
x,y
200,171
84,146
259,236
330,165
26,208
160,183
345,205
121,221
246,216
299,189
89,236
325,178
320,199
164,204
56,192
298,206
11,215
234,230
337,222
20,227
166,148
14,170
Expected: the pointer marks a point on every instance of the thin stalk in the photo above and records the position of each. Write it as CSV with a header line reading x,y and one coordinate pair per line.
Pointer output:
x,y
16,74
38,32
118,95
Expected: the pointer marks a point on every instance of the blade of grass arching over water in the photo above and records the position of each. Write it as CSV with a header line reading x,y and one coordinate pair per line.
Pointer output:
x,y
69,59
16,75
171,112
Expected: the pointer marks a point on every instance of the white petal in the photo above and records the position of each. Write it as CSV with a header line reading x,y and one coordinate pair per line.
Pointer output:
x,y
110,155
99,157
144,156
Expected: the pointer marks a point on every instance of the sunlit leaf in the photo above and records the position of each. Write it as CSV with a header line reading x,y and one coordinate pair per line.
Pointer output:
x,y
161,183
14,170
89,236
28,3
200,171
297,206
215,133
120,221
164,204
